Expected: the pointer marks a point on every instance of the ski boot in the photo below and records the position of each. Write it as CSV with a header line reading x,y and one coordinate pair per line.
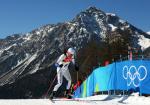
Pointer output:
x,y
68,94
52,95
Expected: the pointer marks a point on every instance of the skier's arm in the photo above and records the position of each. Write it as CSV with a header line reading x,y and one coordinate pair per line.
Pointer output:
x,y
75,64
73,60
59,62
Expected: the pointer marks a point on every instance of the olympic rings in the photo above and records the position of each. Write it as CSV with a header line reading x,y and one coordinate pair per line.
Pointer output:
x,y
131,73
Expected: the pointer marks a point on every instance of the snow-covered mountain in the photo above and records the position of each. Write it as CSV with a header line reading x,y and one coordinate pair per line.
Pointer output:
x,y
26,61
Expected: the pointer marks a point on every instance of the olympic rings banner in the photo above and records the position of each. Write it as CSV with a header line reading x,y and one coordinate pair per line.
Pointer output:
x,y
124,75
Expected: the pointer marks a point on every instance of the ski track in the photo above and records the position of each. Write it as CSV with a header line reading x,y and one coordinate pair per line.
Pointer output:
x,y
93,100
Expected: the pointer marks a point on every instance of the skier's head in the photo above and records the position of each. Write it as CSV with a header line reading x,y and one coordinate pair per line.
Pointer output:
x,y
70,51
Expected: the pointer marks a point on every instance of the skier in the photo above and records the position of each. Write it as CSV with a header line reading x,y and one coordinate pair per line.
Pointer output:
x,y
62,70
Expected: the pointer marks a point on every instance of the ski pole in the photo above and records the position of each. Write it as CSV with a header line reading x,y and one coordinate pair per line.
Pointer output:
x,y
77,75
50,86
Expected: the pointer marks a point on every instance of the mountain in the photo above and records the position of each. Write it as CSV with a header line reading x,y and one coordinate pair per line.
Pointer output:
x,y
27,61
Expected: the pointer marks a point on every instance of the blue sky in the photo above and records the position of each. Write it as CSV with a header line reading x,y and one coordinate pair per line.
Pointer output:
x,y
22,16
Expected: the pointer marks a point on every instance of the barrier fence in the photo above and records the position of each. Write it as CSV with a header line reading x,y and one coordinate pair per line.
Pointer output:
x,y
123,76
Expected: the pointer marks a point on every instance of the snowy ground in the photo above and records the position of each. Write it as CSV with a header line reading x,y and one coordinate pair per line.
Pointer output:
x,y
99,100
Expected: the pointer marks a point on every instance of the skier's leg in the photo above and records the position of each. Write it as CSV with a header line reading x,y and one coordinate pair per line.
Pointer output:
x,y
59,79
59,82
68,78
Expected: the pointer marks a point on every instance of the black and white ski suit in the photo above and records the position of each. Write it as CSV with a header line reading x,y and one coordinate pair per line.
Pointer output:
x,y
62,70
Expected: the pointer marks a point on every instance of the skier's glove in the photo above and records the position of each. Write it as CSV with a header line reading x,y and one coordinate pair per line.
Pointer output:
x,y
76,67
57,65
61,65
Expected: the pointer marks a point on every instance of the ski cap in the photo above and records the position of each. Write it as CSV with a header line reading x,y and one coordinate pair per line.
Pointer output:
x,y
71,51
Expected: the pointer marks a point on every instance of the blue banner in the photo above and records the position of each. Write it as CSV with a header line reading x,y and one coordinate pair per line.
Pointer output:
x,y
126,75
102,78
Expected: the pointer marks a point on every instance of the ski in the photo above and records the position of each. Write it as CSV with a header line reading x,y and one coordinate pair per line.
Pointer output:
x,y
53,101
73,99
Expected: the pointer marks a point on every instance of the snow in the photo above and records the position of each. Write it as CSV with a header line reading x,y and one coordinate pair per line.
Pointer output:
x,y
122,28
37,32
127,26
96,32
32,58
71,29
1,51
83,29
35,69
148,32
102,26
44,34
51,29
112,14
134,99
121,21
7,48
112,27
19,70
27,37
21,61
144,42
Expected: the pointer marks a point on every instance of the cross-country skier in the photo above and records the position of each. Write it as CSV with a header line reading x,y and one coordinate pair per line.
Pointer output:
x,y
62,70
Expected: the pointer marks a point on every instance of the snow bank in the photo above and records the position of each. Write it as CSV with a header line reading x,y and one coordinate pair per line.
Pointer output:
x,y
99,100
